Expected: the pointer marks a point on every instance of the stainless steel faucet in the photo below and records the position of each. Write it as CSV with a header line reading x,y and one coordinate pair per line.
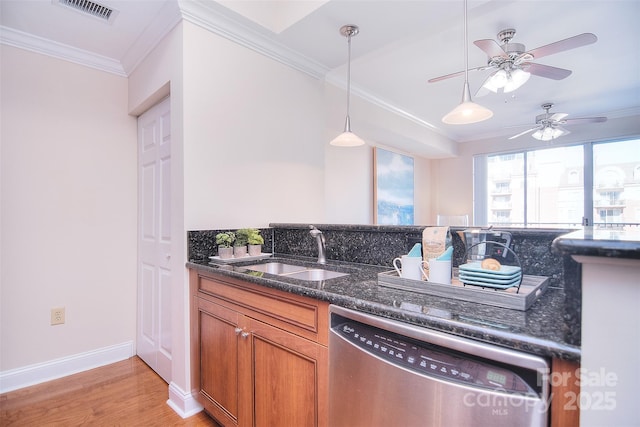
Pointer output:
x,y
321,244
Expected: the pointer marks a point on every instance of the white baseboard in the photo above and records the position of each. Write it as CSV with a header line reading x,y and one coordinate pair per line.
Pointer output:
x,y
35,374
183,403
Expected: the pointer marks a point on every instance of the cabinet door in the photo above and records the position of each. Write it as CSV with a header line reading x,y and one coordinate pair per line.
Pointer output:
x,y
219,347
289,378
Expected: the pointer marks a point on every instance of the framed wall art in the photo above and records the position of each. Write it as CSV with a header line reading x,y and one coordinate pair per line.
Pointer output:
x,y
393,188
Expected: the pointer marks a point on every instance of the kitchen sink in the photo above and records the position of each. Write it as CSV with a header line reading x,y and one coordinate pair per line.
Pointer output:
x,y
315,274
312,274
275,268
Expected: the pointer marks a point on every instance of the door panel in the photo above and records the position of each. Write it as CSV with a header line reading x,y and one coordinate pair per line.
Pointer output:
x,y
154,239
219,351
146,312
289,376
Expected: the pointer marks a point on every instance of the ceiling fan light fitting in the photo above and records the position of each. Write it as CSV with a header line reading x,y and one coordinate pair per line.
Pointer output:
x,y
496,81
506,80
517,78
547,133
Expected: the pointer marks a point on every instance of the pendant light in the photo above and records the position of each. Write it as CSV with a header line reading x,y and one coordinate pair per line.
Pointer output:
x,y
348,138
468,111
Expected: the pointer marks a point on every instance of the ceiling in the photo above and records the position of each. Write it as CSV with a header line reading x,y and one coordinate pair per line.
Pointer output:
x,y
401,45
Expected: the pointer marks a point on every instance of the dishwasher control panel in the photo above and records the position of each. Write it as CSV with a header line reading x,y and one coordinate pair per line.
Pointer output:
x,y
432,360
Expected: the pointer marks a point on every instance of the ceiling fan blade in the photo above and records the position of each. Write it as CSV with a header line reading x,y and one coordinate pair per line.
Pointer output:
x,y
447,76
491,48
547,71
520,59
525,132
580,120
459,73
556,117
562,45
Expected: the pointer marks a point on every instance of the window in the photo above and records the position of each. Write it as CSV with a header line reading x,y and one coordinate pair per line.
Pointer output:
x,y
564,186
616,189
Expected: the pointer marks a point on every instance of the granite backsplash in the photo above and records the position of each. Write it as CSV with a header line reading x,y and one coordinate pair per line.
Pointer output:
x,y
380,244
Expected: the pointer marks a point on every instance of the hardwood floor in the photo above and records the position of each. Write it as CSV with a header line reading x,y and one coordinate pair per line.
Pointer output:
x,y
126,393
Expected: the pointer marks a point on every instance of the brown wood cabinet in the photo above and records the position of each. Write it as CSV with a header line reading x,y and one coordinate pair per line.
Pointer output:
x,y
565,393
259,355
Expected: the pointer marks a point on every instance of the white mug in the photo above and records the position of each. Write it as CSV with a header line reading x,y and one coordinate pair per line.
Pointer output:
x,y
411,267
439,271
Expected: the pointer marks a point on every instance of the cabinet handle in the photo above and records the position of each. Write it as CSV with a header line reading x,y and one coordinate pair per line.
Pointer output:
x,y
238,330
244,334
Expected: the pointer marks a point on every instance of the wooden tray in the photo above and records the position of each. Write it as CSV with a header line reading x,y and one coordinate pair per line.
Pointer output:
x,y
530,290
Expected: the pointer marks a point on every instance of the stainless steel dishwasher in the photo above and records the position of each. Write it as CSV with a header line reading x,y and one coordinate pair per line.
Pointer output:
x,y
388,373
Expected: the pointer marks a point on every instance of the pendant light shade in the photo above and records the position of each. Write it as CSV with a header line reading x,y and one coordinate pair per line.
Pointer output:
x,y
348,138
468,111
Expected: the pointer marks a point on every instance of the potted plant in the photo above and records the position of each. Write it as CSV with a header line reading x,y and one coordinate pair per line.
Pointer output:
x,y
225,244
240,245
255,241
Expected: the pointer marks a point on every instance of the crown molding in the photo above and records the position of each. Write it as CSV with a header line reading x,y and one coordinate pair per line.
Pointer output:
x,y
369,97
168,17
33,43
616,114
215,19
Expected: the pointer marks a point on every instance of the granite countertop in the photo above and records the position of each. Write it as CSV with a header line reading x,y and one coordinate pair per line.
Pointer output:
x,y
542,329
590,241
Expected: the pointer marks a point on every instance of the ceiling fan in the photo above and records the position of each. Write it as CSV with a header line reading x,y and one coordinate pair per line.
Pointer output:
x,y
513,63
548,125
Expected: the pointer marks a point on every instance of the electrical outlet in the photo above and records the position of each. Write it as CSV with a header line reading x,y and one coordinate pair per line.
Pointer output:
x,y
57,316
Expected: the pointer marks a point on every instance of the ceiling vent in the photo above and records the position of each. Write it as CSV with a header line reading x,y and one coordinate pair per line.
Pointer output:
x,y
86,7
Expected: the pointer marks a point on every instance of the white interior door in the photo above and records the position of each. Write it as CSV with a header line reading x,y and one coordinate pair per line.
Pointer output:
x,y
154,239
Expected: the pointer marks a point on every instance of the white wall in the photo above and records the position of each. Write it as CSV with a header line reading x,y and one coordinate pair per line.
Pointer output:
x,y
424,191
68,229
254,137
348,184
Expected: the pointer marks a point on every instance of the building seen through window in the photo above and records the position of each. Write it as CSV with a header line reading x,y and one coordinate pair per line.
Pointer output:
x,y
546,187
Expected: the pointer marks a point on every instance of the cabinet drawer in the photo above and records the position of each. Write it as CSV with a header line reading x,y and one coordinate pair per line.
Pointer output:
x,y
303,316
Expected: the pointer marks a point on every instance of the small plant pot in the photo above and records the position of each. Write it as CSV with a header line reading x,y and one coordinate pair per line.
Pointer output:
x,y
239,251
255,250
225,253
